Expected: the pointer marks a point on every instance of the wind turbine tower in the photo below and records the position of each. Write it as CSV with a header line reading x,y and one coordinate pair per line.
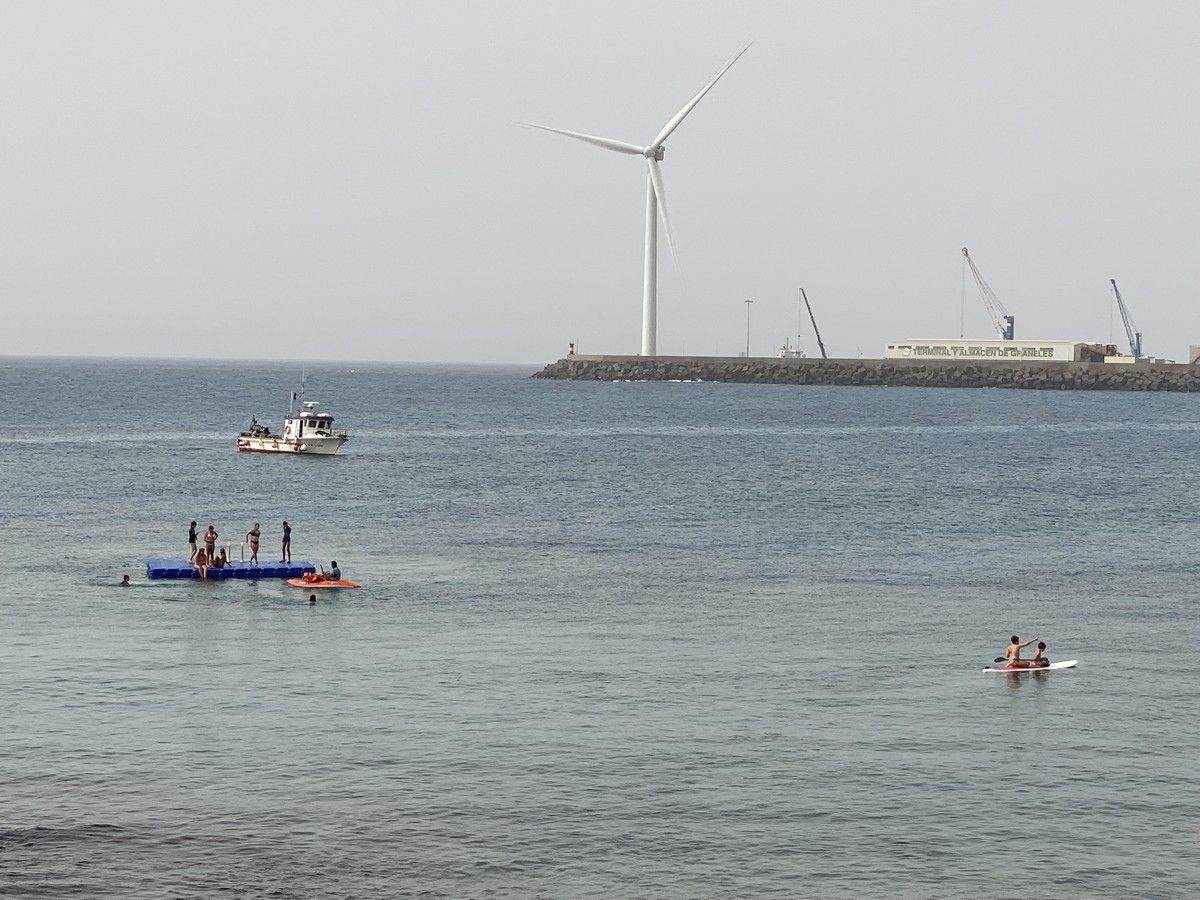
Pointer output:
x,y
656,202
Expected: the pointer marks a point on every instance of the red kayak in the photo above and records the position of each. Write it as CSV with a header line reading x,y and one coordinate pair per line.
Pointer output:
x,y
321,583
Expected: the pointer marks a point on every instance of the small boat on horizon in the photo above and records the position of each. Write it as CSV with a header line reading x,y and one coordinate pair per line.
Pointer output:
x,y
308,432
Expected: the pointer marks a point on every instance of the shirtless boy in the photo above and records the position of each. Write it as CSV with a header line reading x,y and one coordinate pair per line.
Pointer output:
x,y
1012,654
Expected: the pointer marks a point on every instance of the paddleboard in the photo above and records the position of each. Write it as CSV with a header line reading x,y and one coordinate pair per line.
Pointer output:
x,y
300,582
1065,664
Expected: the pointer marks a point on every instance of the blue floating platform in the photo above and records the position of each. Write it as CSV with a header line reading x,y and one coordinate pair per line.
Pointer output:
x,y
181,568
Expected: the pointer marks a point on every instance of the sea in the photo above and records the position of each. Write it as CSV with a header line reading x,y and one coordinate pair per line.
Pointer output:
x,y
612,640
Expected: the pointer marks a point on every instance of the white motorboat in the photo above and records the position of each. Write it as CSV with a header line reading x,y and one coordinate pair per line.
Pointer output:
x,y
309,431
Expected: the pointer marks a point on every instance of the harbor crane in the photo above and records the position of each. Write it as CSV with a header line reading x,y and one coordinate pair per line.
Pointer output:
x,y
813,319
1001,320
1131,332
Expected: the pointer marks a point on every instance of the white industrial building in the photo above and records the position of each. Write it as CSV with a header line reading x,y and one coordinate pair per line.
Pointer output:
x,y
962,350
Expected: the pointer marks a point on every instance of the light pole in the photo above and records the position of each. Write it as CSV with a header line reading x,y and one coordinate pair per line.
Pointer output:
x,y
748,302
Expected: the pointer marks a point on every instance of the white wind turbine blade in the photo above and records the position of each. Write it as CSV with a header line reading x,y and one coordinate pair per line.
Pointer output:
x,y
660,194
682,114
606,143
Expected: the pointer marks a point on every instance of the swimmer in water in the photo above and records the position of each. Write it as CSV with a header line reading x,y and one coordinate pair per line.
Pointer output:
x,y
312,599
125,581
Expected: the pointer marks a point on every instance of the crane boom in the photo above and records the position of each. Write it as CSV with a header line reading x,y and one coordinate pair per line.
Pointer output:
x,y
1131,332
1001,320
813,319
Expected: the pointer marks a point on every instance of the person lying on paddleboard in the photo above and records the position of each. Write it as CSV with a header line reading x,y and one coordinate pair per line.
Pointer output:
x,y
1012,653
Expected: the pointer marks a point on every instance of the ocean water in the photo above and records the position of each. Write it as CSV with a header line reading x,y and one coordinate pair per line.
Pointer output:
x,y
613,640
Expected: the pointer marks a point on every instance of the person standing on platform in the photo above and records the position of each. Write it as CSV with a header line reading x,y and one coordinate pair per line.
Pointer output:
x,y
192,539
210,543
252,536
287,542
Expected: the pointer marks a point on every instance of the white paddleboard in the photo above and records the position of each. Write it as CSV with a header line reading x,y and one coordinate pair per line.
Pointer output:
x,y
1065,664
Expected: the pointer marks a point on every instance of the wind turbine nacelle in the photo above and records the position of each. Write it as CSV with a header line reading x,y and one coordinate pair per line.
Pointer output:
x,y
656,153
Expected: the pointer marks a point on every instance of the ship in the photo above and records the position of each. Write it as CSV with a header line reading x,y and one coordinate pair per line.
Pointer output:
x,y
308,431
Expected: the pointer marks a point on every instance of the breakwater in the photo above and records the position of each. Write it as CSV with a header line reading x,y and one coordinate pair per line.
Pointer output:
x,y
1089,376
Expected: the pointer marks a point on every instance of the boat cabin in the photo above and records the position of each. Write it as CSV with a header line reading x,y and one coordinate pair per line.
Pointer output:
x,y
309,423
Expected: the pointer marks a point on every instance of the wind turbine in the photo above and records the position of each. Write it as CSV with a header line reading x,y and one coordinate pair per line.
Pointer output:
x,y
656,201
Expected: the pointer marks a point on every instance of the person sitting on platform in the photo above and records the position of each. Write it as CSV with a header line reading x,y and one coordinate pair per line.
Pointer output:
x,y
222,560
201,563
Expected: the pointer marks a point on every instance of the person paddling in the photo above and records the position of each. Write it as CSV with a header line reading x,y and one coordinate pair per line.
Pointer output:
x,y
1012,653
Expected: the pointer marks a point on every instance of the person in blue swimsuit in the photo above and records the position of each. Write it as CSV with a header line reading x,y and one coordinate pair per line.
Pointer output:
x,y
287,542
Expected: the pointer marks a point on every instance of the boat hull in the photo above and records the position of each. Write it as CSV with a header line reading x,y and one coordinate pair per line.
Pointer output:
x,y
316,446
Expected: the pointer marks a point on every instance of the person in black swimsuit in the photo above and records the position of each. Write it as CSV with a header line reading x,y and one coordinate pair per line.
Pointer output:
x,y
287,542
192,540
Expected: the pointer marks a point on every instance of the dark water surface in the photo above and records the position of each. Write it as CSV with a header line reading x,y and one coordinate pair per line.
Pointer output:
x,y
653,640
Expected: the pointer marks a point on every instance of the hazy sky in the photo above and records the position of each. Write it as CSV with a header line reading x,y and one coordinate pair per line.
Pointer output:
x,y
344,180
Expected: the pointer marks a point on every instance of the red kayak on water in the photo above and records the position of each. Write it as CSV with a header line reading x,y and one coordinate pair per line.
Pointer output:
x,y
321,583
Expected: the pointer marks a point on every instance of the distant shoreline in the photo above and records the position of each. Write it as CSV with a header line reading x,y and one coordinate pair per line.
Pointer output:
x,y
1015,374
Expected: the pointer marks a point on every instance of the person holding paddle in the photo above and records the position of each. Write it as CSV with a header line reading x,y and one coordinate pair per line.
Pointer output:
x,y
1012,654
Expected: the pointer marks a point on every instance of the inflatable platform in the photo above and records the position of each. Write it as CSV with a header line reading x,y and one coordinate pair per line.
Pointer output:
x,y
181,568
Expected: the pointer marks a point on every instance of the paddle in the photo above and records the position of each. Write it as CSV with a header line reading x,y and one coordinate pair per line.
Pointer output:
x,y
1000,659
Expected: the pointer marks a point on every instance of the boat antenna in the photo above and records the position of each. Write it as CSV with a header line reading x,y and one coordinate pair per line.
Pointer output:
x,y
297,396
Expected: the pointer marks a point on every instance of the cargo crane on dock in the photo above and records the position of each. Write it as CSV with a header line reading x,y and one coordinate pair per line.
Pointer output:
x,y
1001,320
813,319
1131,332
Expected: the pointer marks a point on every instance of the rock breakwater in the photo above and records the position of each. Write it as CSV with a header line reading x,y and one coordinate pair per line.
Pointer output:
x,y
1065,376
